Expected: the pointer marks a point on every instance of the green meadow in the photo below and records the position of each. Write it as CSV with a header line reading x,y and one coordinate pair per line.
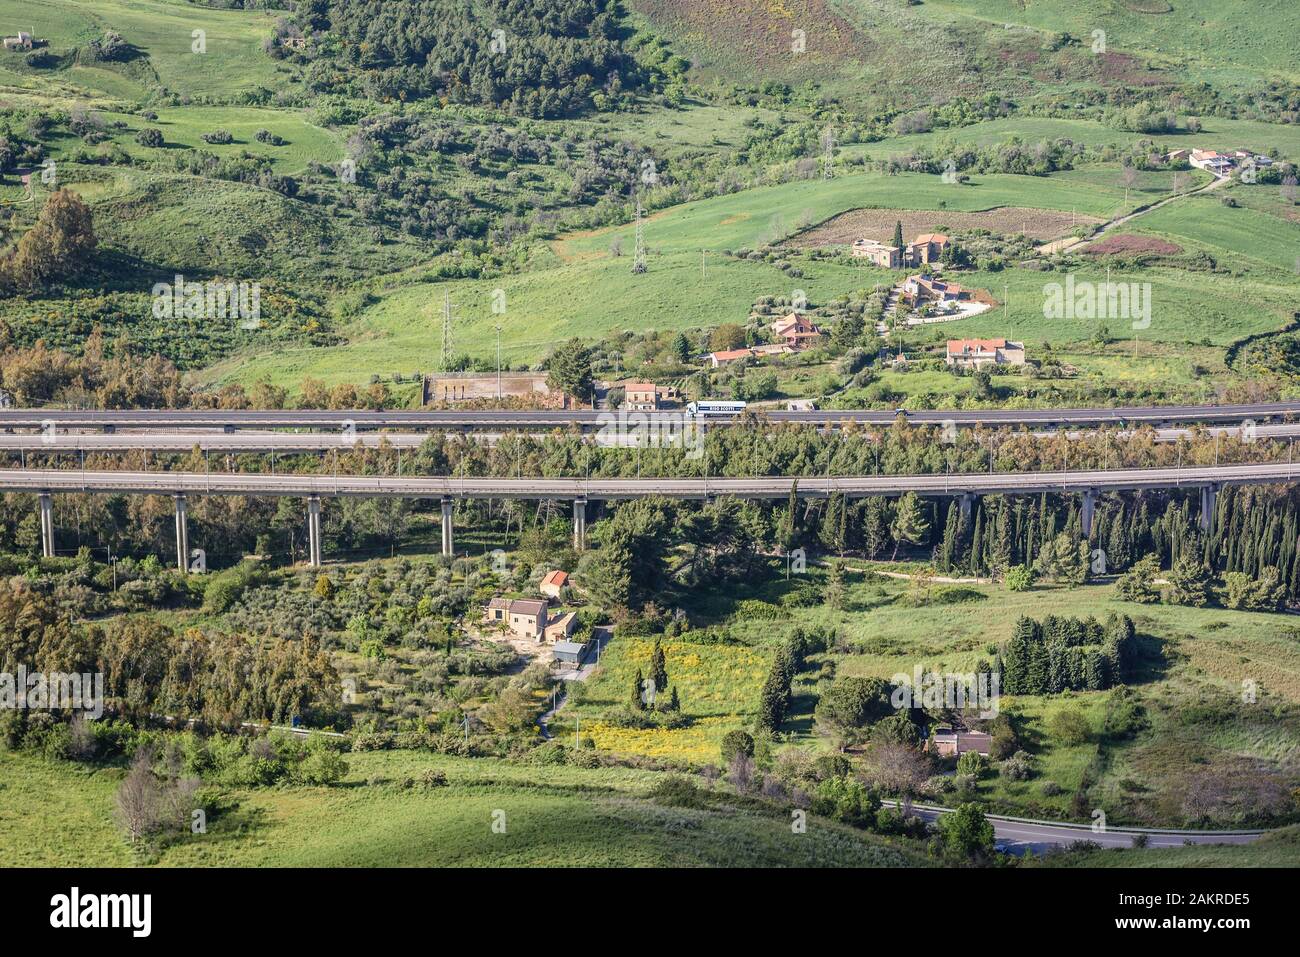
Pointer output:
x,y
583,288
55,814
163,30
1231,41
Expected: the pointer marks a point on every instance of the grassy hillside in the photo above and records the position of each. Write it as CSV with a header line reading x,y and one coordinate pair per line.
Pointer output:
x,y
162,31
52,814
588,290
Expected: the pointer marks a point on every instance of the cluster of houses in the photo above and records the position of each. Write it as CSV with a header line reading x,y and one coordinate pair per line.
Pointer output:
x,y
925,249
1220,164
531,619
792,333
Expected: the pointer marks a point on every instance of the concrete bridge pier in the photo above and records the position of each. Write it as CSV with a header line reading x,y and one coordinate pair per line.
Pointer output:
x,y
1209,495
47,525
579,524
447,545
1085,514
967,506
182,534
313,531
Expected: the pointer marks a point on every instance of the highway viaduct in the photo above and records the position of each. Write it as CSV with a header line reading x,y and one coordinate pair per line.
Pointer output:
x,y
289,443
507,420
965,486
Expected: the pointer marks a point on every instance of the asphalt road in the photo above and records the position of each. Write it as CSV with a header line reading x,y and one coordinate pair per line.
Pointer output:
x,y
1018,835
251,440
388,486
510,420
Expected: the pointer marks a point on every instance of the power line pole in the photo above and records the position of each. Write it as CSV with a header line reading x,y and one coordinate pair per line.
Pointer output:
x,y
638,258
828,153
498,362
446,331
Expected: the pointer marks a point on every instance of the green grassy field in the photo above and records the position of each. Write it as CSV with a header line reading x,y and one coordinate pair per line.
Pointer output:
x,y
555,816
588,291
161,30
1210,38
184,127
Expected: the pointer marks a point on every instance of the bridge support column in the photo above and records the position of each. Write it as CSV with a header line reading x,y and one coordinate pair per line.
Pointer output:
x,y
47,525
182,534
1085,514
1209,495
448,548
579,524
313,531
967,506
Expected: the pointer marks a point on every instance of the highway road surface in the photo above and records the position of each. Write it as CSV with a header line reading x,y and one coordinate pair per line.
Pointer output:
x,y
769,487
249,440
1018,835
514,420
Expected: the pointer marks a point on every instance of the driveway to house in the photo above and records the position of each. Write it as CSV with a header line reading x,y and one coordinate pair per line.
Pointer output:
x,y
1016,835
600,634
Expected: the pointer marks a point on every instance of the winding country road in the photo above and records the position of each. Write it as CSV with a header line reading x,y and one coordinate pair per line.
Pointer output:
x,y
1017,835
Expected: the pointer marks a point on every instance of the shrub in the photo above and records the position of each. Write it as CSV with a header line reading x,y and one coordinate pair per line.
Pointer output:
x,y
1069,726
1018,767
971,763
1019,578
736,742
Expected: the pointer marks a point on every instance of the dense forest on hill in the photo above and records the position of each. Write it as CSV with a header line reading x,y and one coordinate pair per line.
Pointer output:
x,y
542,58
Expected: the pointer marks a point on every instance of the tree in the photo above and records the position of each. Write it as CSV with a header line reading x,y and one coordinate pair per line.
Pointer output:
x,y
1065,560
1138,583
569,370
726,336
774,699
1189,583
638,691
659,667
58,246
681,347
151,137
966,831
853,704
898,233
736,742
910,524
139,799
835,586
1262,594
324,587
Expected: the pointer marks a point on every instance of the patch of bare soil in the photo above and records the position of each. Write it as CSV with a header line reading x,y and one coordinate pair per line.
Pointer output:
x,y
878,224
1127,244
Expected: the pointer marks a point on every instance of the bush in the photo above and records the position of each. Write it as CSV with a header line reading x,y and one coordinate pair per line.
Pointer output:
x,y
1070,726
150,137
971,763
1018,767
678,791
1019,578
736,742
